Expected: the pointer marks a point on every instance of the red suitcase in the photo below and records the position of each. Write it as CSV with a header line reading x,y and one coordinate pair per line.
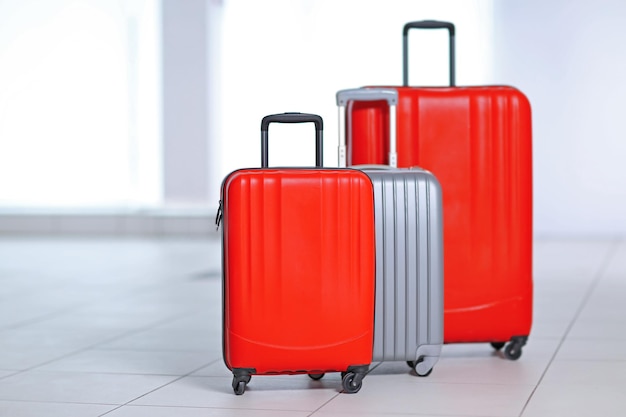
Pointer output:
x,y
477,142
298,268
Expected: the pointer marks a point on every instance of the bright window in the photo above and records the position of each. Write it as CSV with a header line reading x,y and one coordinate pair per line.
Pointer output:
x,y
79,103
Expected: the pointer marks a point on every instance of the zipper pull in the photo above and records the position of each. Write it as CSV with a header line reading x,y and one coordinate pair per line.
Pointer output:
x,y
218,217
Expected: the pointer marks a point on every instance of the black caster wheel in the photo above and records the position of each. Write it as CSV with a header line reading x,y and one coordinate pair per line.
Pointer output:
x,y
316,377
497,345
239,387
413,365
350,384
513,351
239,383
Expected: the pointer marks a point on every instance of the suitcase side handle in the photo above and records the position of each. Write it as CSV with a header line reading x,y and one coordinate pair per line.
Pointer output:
x,y
426,24
293,118
367,94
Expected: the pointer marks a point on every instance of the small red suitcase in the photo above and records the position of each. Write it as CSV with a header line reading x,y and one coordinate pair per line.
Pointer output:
x,y
298,268
477,142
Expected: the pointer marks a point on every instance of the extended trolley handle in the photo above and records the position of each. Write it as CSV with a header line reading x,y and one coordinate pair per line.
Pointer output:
x,y
293,118
426,24
367,94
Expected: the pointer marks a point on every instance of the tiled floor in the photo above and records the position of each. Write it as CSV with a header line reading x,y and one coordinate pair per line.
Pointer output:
x,y
132,328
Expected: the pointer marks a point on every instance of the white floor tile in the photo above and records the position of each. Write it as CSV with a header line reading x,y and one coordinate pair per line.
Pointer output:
x,y
535,349
606,302
586,372
361,413
410,395
4,373
599,329
83,321
469,370
135,303
51,338
595,349
38,409
482,365
570,301
564,400
216,368
147,411
184,296
570,260
75,387
130,362
20,359
417,413
169,340
208,319
603,310
296,393
550,328
100,317
617,265
23,310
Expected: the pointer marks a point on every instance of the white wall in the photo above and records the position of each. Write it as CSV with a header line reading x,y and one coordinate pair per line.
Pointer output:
x,y
294,55
185,102
569,57
191,91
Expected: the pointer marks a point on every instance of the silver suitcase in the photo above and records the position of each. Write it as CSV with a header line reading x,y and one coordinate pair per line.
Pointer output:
x,y
409,252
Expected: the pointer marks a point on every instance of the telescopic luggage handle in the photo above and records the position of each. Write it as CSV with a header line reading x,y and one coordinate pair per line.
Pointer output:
x,y
426,24
293,118
367,94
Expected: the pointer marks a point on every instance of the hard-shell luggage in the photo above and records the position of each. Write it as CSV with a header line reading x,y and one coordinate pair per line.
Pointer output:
x,y
408,324
477,142
298,268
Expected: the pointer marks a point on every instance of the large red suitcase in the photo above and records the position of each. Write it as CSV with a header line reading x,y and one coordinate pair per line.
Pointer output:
x,y
477,142
298,268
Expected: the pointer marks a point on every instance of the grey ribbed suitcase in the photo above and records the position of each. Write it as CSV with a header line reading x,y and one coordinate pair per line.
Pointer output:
x,y
408,322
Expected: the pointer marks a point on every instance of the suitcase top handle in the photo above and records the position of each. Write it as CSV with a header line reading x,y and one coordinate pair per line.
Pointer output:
x,y
426,24
367,94
293,118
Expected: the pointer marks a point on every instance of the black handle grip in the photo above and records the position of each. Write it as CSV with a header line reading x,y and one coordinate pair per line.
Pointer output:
x,y
293,118
426,24
429,24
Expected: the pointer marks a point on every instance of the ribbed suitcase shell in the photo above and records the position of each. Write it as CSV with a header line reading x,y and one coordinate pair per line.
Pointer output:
x,y
477,142
409,267
299,270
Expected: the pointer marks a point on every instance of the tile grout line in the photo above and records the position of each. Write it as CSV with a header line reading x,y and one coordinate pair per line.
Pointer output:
x,y
339,393
594,283
190,374
76,308
130,332
158,388
323,405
